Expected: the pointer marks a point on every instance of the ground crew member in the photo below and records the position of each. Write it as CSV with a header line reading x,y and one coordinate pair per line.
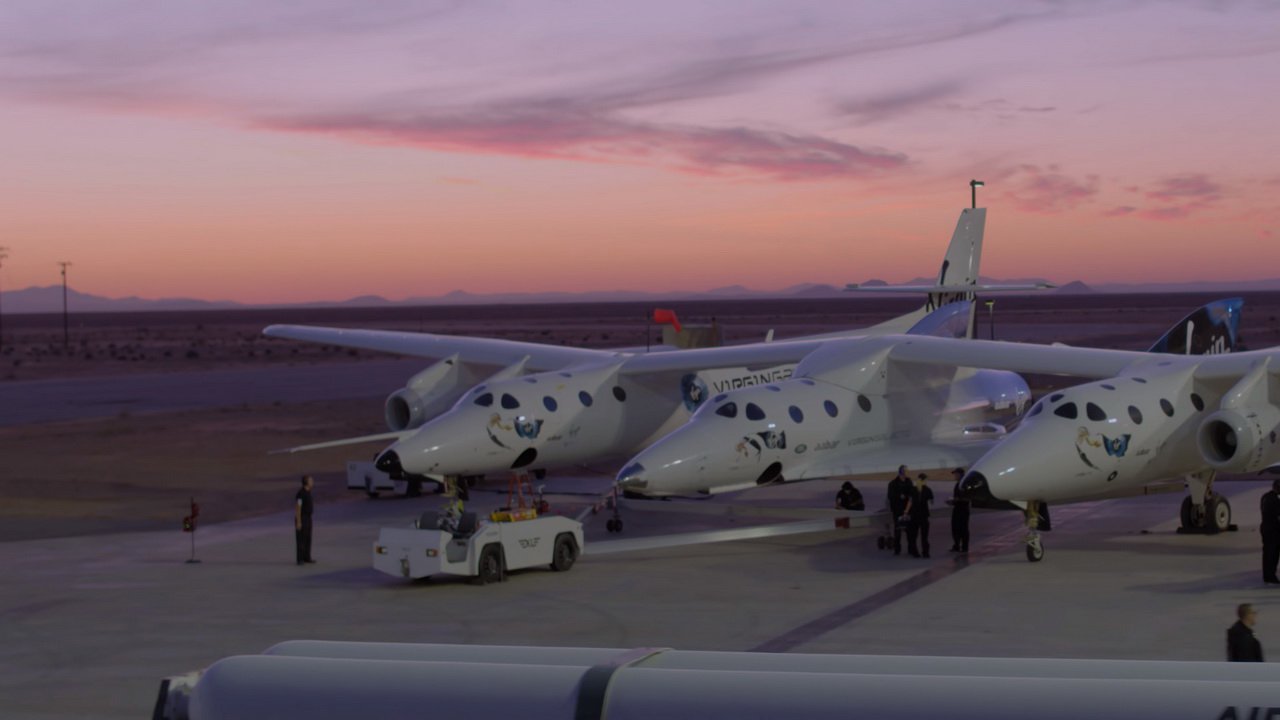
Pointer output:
x,y
849,498
920,515
959,516
1270,529
302,510
1242,646
900,492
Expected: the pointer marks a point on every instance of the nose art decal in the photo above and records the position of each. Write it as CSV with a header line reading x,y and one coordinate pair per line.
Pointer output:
x,y
1114,447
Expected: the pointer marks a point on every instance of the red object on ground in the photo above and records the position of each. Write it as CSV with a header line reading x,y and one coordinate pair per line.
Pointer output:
x,y
666,317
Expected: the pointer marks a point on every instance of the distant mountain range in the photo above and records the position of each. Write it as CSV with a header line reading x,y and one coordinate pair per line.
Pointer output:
x,y
49,298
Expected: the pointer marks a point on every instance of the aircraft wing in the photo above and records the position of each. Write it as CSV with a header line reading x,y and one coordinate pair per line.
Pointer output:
x,y
945,289
481,351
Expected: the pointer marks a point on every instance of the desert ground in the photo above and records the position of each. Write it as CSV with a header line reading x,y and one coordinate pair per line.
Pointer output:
x,y
136,469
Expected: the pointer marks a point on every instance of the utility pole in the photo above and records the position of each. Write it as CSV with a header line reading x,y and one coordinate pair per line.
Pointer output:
x,y
973,188
66,328
4,253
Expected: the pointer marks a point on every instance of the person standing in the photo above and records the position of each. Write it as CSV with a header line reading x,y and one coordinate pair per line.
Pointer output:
x,y
1270,530
959,515
302,510
920,515
900,492
1242,646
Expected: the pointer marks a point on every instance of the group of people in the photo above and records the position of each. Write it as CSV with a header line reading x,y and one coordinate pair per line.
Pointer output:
x,y
909,503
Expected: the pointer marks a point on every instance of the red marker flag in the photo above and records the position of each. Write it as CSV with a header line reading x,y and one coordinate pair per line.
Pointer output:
x,y
666,317
189,522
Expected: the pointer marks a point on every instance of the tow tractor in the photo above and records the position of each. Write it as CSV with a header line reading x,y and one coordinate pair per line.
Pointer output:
x,y
457,543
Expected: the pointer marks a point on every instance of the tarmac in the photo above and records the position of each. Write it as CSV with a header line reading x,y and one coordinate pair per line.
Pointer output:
x,y
92,624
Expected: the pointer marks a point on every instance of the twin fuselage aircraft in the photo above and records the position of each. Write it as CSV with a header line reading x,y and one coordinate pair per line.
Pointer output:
x,y
915,390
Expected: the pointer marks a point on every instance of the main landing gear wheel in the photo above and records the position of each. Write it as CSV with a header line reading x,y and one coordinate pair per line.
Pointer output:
x,y
1035,549
1219,512
614,525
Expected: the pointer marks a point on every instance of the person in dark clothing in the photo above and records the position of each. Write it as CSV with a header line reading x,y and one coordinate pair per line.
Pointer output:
x,y
849,498
920,514
302,510
959,515
1242,646
1270,529
900,493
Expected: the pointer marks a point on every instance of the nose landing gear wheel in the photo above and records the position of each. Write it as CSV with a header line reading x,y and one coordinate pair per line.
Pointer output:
x,y
1035,550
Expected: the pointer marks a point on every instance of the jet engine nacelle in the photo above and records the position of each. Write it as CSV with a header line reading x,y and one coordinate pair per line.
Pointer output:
x,y
426,395
1240,439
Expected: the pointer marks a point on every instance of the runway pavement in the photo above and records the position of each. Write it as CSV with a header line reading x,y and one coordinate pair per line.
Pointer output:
x,y
38,401
91,624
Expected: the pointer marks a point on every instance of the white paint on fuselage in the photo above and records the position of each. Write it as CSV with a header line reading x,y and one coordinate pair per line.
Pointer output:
x,y
1126,432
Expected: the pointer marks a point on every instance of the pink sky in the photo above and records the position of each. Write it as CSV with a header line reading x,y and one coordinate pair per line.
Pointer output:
x,y
331,148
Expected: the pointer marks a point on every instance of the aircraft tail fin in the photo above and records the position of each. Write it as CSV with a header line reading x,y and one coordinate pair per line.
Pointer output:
x,y
1209,330
961,264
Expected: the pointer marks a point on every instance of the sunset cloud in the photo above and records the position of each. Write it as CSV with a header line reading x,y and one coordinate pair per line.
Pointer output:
x,y
1047,191
1182,195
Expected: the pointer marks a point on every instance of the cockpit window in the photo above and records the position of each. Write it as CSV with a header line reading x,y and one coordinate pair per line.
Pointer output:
x,y
754,412
1036,410
1108,387
509,402
729,410
485,400
1067,411
1094,412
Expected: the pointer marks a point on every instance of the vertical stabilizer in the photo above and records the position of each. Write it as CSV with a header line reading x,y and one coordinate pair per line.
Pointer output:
x,y
961,264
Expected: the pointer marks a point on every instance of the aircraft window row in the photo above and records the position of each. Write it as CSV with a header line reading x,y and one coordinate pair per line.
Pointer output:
x,y
830,407
864,402
754,412
509,402
1108,387
1140,380
619,393
1094,412
1167,407
1135,415
549,403
1067,411
796,414
729,410
485,400
1197,401
585,398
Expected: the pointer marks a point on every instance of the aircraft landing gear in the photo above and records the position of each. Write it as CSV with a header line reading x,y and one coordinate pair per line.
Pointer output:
x,y
1204,511
1035,523
614,524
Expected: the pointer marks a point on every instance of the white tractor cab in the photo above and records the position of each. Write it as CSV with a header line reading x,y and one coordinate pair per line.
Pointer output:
x,y
484,550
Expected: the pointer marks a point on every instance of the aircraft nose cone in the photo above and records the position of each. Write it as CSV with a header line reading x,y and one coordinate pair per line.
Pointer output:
x,y
632,478
389,463
974,488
